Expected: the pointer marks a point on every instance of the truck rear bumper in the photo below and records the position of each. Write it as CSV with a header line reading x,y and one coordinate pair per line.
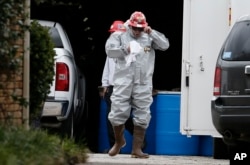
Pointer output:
x,y
231,115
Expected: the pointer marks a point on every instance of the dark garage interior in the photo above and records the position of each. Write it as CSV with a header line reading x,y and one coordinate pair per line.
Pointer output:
x,y
88,37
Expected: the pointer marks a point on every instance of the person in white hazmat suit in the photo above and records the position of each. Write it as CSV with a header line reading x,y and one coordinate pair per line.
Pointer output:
x,y
134,54
107,83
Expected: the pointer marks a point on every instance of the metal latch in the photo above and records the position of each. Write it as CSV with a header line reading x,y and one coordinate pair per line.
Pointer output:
x,y
187,67
201,63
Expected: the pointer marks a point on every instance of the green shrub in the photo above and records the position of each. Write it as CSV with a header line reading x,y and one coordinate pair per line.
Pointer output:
x,y
10,10
37,147
41,66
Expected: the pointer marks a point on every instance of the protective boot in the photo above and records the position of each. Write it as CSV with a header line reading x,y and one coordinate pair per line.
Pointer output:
x,y
119,140
138,138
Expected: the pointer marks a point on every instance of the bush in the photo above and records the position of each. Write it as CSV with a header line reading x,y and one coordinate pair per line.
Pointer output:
x,y
37,147
41,66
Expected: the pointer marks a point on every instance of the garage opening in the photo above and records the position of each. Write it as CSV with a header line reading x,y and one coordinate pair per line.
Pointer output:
x,y
87,26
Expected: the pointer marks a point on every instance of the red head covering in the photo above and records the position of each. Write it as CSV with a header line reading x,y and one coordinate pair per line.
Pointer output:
x,y
117,26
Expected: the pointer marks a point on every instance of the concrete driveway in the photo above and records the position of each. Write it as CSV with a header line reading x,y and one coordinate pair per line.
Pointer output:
x,y
125,159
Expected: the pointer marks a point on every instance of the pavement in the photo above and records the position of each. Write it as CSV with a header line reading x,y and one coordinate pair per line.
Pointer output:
x,y
125,159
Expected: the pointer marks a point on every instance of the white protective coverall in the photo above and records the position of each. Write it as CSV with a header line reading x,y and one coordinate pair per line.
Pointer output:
x,y
133,81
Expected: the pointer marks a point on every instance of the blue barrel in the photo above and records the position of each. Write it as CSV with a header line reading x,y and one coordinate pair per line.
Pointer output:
x,y
206,146
103,140
150,132
169,140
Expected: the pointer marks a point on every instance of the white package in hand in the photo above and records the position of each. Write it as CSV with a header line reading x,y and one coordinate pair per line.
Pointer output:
x,y
135,48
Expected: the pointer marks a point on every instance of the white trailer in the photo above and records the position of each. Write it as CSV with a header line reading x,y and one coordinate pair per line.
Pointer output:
x,y
206,24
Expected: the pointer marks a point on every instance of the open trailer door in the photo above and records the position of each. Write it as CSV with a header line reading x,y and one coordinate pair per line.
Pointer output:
x,y
205,26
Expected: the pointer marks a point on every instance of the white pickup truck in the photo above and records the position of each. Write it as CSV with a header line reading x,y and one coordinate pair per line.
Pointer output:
x,y
64,109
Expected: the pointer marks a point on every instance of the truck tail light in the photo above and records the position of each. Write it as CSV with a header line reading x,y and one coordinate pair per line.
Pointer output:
x,y
217,81
62,77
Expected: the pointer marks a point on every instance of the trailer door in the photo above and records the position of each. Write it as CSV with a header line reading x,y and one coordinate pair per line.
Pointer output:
x,y
205,26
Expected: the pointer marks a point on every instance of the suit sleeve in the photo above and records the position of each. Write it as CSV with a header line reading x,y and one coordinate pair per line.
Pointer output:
x,y
160,41
113,46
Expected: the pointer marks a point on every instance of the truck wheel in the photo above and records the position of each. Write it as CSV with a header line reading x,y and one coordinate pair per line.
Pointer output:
x,y
67,127
81,128
220,149
81,98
